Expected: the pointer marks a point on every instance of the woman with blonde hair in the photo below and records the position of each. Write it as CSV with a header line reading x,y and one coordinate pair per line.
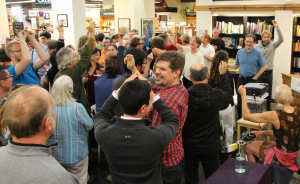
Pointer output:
x,y
72,121
285,122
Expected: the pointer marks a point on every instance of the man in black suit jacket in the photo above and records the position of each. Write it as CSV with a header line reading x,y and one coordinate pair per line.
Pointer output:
x,y
200,134
132,148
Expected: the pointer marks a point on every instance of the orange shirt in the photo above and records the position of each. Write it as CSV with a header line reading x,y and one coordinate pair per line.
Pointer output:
x,y
103,55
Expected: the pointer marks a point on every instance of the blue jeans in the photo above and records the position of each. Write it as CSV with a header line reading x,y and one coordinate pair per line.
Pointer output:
x,y
172,174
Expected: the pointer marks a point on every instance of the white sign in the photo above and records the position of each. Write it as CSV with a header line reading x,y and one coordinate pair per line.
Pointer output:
x,y
295,84
32,13
33,23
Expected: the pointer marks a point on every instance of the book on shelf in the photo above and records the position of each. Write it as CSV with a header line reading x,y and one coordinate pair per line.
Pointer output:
x,y
296,73
296,46
229,28
296,62
259,27
234,41
297,30
241,42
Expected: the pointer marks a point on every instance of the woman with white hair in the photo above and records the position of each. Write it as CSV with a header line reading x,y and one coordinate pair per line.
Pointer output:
x,y
72,121
285,121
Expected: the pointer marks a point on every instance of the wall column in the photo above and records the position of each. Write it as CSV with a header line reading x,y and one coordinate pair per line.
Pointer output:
x,y
75,9
3,21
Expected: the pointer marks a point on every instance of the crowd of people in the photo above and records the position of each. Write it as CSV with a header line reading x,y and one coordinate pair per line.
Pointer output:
x,y
158,108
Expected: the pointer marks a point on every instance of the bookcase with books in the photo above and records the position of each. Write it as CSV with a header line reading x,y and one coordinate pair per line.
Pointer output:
x,y
295,65
237,27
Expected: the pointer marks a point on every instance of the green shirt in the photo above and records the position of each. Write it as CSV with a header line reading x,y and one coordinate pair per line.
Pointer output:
x,y
99,47
75,73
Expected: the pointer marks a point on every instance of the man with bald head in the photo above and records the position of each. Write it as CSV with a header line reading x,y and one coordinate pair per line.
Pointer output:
x,y
200,134
29,115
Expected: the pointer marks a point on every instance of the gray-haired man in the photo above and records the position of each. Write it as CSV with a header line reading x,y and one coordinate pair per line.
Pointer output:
x,y
200,134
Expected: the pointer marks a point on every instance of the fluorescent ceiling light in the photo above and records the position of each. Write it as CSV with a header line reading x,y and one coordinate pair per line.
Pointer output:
x,y
18,2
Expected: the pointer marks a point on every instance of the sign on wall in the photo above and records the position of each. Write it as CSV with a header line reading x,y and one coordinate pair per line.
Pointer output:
x,y
43,2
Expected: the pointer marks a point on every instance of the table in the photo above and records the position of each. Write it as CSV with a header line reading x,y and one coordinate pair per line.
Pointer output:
x,y
255,174
249,124
286,79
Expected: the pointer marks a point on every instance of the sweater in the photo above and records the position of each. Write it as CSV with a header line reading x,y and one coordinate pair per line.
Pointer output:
x,y
76,72
31,163
200,133
268,51
132,149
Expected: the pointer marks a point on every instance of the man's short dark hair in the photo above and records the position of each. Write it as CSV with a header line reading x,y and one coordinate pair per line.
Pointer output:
x,y
158,43
134,42
3,72
138,55
100,37
133,95
176,60
51,44
252,36
164,36
109,38
199,75
46,34
3,56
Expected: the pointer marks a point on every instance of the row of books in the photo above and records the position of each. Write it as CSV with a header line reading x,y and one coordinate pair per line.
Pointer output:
x,y
296,73
259,27
236,42
296,62
296,46
229,27
297,30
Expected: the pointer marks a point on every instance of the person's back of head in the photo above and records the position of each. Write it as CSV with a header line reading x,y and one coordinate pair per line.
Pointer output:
x,y
82,40
100,37
283,96
62,91
3,56
164,36
29,112
64,58
214,68
112,66
138,55
134,42
199,72
133,95
51,45
185,39
157,42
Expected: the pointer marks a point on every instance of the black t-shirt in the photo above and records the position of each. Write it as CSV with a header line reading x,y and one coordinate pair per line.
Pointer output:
x,y
219,43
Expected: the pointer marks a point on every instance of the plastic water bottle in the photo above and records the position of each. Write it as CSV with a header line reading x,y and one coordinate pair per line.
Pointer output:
x,y
240,160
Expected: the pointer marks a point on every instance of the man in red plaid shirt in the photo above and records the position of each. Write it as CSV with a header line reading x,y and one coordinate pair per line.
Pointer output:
x,y
169,67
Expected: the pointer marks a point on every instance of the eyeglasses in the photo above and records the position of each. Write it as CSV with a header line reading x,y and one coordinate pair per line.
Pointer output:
x,y
17,50
7,77
249,41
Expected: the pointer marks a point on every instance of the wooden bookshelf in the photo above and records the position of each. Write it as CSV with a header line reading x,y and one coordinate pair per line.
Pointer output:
x,y
295,54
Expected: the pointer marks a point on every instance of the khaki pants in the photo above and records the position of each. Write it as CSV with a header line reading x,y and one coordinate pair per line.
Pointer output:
x,y
79,169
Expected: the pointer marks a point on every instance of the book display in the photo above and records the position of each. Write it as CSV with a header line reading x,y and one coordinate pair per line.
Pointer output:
x,y
295,65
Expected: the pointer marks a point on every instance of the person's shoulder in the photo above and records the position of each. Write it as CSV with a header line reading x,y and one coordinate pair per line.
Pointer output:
x,y
118,82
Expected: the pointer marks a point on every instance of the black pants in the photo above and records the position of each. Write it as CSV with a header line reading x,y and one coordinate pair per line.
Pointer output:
x,y
210,163
172,175
267,77
187,83
242,81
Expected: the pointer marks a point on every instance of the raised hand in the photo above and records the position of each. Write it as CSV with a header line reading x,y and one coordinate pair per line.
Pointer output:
x,y
145,26
30,35
23,34
91,29
150,57
242,90
275,23
60,27
157,51
222,67
176,29
130,62
122,32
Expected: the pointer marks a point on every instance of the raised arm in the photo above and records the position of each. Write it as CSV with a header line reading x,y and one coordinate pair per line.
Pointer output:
x,y
177,45
43,58
266,117
121,35
146,32
149,60
25,54
280,35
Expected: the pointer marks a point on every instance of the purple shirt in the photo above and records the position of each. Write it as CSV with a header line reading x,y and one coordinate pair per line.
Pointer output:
x,y
91,89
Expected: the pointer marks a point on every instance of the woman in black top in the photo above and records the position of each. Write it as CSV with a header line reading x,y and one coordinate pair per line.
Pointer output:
x,y
226,115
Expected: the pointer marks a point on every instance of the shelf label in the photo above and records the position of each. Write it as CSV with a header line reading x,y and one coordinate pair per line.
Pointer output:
x,y
295,84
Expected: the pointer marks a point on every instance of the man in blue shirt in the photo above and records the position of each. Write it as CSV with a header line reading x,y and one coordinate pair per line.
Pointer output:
x,y
252,64
23,69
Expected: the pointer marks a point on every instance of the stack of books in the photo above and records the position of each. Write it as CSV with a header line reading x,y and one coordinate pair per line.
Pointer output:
x,y
259,27
296,46
297,30
229,27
